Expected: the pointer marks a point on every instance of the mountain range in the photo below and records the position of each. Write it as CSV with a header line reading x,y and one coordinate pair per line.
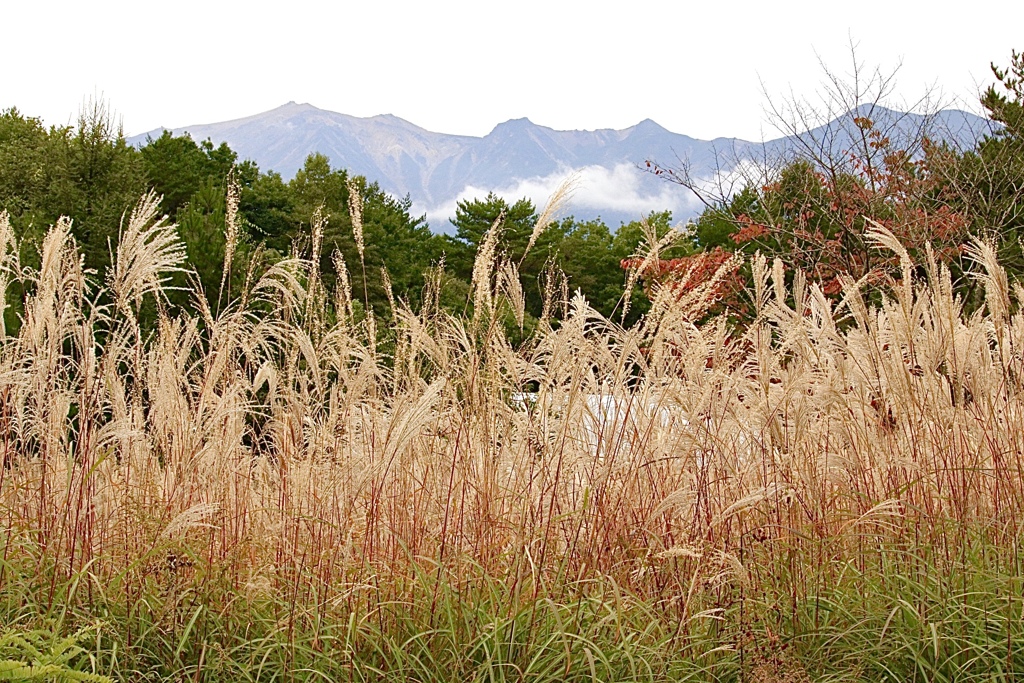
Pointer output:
x,y
520,158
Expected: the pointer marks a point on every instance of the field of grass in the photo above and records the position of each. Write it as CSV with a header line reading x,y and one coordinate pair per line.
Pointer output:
x,y
285,489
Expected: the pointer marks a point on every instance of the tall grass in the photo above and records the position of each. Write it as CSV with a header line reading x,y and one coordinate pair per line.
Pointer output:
x,y
278,490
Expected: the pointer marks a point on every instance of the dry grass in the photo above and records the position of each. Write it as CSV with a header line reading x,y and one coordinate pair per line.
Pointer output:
x,y
276,446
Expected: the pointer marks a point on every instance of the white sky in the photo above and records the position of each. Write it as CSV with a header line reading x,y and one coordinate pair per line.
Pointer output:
x,y
462,67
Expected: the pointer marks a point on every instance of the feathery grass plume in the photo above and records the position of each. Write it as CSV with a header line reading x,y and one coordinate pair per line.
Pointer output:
x,y
317,223
880,236
434,282
998,302
355,209
483,267
690,298
992,277
231,225
10,266
252,273
646,256
343,290
371,333
561,196
563,290
149,252
509,284
281,286
191,518
760,275
596,502
385,281
551,273
680,551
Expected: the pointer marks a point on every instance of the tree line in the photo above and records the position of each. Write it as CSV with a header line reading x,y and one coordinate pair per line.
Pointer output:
x,y
815,208
812,209
90,174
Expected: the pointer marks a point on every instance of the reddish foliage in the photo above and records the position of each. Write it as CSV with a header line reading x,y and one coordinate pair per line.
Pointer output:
x,y
817,220
749,229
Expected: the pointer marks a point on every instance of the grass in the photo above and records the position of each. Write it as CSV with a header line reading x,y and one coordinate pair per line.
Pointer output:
x,y
281,490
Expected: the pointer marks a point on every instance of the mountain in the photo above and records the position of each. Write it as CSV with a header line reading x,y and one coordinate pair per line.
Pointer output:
x,y
520,158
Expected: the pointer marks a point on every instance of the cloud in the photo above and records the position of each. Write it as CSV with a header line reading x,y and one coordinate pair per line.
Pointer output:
x,y
622,192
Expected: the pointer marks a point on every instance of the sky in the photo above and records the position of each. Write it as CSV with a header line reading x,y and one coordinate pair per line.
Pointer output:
x,y
703,69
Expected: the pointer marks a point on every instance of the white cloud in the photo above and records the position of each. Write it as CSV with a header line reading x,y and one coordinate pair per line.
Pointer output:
x,y
622,192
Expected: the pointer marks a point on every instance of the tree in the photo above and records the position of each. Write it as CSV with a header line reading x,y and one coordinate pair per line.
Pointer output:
x,y
593,258
986,184
201,224
1007,108
86,172
397,240
818,221
588,256
473,218
177,167
853,162
392,237
23,162
269,207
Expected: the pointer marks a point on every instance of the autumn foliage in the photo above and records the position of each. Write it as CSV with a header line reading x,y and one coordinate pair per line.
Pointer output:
x,y
816,219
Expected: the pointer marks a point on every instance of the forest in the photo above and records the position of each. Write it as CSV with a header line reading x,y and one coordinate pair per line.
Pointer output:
x,y
257,429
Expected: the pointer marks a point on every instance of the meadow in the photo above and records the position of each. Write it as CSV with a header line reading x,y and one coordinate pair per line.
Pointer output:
x,y
279,487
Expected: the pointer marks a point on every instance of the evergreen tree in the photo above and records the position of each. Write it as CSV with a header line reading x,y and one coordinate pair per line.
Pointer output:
x,y
177,167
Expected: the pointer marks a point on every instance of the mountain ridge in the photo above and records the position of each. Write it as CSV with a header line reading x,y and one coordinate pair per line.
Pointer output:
x,y
517,157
